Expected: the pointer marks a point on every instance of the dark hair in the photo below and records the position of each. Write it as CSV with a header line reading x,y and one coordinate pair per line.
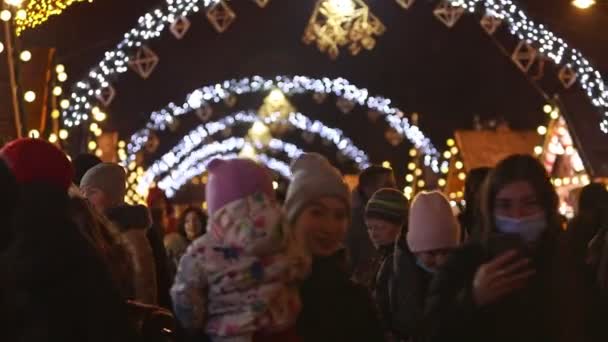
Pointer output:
x,y
593,197
371,175
472,195
516,168
8,202
181,228
83,163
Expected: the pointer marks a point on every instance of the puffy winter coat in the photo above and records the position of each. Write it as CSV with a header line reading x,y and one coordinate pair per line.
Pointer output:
x,y
557,305
334,308
133,222
239,278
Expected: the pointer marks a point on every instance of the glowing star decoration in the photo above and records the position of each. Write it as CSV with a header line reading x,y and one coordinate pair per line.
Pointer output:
x,y
180,27
221,16
38,11
448,13
144,62
339,23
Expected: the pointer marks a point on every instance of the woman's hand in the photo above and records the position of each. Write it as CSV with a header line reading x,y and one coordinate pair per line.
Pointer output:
x,y
500,277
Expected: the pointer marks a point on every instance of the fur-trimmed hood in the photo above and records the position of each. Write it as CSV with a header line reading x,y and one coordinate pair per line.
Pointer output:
x,y
128,217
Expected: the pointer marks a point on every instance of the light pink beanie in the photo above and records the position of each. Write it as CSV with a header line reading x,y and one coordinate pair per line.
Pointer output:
x,y
234,179
432,225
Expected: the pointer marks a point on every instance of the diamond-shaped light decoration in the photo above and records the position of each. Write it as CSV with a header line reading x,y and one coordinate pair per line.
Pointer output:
x,y
180,27
144,62
490,23
345,105
106,95
524,56
262,3
567,76
221,16
406,4
447,13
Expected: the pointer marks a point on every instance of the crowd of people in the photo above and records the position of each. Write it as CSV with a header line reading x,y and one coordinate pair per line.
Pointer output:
x,y
79,264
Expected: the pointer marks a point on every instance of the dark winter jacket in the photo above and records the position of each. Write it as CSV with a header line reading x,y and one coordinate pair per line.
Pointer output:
x,y
381,286
134,222
163,266
55,286
557,305
361,251
408,291
334,309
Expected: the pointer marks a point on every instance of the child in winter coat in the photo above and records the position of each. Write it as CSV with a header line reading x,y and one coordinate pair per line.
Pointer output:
x,y
237,282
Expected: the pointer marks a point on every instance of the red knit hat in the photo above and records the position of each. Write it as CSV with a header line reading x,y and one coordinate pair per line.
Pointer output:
x,y
34,160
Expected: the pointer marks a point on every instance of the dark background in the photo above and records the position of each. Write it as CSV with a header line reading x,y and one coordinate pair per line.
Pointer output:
x,y
447,76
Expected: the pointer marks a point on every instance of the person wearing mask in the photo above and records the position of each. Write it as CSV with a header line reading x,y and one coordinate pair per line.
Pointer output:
x,y
433,234
239,282
469,218
55,285
192,225
386,217
361,251
104,186
317,206
519,283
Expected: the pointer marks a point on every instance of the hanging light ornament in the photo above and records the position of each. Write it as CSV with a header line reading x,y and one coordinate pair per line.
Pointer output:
x,y
338,23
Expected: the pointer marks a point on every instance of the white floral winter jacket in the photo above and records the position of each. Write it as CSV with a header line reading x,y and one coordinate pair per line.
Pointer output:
x,y
239,277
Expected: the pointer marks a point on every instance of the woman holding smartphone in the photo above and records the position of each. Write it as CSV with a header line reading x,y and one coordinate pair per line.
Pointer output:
x,y
519,283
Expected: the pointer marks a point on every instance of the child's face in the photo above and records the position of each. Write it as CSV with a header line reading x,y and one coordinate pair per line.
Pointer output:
x,y
381,232
322,226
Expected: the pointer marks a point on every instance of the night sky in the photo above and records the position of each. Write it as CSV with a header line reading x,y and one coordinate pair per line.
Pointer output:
x,y
447,76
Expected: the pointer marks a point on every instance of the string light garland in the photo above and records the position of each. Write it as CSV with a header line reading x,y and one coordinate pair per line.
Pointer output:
x,y
196,163
38,11
340,87
177,156
153,23
549,44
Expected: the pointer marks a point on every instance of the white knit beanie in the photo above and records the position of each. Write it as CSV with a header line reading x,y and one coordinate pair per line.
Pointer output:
x,y
432,225
313,177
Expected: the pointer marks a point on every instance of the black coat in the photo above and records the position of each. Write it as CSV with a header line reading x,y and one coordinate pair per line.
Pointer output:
x,y
55,286
557,305
409,286
334,308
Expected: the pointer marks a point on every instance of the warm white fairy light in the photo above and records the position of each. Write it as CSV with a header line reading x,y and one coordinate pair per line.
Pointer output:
x,y
196,163
217,93
549,44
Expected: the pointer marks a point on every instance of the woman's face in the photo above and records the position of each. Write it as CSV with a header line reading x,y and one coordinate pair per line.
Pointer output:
x,y
322,226
517,200
381,232
192,225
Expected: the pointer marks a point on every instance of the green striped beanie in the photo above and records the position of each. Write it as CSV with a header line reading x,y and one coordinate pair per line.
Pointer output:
x,y
389,205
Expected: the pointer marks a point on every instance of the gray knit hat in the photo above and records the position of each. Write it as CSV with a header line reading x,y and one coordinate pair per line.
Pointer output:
x,y
313,177
108,177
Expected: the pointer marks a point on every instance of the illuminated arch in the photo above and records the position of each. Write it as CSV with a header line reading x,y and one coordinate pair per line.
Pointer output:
x,y
181,154
153,23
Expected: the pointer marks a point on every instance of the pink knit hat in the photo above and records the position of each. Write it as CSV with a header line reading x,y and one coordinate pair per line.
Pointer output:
x,y
233,179
432,225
